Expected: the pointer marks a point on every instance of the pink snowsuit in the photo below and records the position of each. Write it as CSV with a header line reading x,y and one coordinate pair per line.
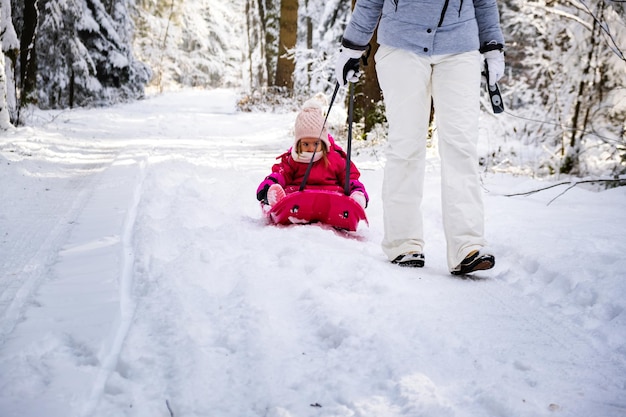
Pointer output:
x,y
324,175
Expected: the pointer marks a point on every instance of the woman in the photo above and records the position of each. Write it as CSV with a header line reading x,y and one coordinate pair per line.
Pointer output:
x,y
429,49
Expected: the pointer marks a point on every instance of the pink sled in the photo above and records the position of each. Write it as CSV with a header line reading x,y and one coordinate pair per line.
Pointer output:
x,y
317,206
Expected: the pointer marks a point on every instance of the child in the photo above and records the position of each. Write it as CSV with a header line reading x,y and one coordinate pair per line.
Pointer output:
x,y
329,167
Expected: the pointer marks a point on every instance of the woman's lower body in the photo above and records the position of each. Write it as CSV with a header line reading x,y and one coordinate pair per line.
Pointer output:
x,y
408,82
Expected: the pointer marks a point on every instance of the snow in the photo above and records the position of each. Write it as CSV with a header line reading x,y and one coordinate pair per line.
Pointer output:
x,y
140,279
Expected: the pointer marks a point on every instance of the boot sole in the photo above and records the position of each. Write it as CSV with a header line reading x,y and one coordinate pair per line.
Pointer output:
x,y
417,261
481,263
410,264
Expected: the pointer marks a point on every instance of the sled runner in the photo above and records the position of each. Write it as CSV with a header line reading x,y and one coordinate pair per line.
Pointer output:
x,y
317,206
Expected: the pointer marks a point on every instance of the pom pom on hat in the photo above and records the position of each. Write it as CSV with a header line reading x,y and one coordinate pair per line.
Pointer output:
x,y
310,123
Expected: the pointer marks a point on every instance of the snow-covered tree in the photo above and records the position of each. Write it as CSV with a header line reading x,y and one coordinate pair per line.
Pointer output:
x,y
76,53
565,83
84,54
191,42
320,27
5,121
8,54
270,19
256,75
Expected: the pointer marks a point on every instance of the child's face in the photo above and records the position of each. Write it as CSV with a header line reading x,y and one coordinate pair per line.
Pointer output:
x,y
310,145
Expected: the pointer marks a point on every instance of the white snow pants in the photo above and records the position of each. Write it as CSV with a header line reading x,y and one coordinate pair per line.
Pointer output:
x,y
408,81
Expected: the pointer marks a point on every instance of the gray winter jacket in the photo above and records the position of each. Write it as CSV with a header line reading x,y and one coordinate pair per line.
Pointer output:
x,y
426,27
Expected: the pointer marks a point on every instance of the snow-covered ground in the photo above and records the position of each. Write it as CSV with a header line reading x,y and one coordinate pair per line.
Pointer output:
x,y
138,278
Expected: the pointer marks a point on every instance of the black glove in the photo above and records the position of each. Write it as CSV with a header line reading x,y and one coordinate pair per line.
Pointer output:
x,y
261,191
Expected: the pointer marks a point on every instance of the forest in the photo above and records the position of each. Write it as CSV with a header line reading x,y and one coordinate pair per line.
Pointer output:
x,y
564,90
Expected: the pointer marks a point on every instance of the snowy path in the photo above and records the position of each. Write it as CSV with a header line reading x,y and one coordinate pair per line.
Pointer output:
x,y
146,283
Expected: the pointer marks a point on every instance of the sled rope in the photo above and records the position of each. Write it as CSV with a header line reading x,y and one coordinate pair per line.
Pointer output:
x,y
364,59
308,168
349,149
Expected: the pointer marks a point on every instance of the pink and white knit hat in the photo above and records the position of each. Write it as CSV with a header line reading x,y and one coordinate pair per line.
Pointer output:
x,y
310,123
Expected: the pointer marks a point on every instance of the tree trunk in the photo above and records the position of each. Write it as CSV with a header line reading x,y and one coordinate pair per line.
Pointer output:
x,y
309,39
286,41
268,14
256,48
4,107
28,61
5,122
367,92
580,118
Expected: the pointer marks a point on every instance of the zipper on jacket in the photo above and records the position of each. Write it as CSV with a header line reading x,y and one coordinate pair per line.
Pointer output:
x,y
443,12
395,3
460,8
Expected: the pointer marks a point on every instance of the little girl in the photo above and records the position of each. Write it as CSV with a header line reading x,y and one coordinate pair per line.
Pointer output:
x,y
329,167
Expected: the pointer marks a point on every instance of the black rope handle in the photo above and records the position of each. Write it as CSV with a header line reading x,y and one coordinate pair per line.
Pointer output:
x,y
349,149
364,60
308,168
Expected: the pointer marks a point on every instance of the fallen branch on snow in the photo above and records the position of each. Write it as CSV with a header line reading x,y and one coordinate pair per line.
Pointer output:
x,y
619,182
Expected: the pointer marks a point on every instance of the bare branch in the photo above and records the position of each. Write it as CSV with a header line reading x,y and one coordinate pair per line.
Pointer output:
x,y
537,190
610,39
619,182
562,13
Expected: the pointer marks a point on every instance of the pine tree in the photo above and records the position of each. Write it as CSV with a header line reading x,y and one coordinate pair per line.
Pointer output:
x,y
84,55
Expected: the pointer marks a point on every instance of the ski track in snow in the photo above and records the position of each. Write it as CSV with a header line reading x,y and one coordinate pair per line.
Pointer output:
x,y
126,298
204,310
52,213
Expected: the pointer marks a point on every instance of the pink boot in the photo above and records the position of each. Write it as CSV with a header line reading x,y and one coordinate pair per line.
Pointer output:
x,y
359,197
274,194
